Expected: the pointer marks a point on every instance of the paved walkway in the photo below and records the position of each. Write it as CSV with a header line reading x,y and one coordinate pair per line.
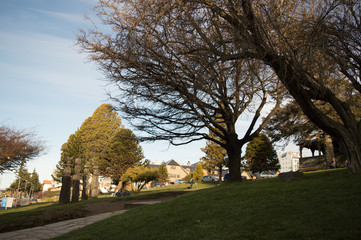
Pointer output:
x,y
56,229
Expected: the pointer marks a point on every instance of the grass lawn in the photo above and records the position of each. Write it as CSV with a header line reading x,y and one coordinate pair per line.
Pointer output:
x,y
322,205
43,213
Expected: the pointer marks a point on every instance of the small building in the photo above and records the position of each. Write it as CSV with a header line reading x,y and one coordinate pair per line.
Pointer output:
x,y
177,170
47,184
289,161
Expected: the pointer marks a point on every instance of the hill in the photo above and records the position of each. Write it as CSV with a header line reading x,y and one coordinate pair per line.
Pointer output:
x,y
322,205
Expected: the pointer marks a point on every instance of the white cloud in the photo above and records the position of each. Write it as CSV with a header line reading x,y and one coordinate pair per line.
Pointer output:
x,y
61,15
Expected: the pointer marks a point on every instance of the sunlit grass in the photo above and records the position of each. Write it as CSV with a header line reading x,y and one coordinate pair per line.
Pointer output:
x,y
20,215
322,205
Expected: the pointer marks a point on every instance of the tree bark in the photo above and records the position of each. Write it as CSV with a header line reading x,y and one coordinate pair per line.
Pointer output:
x,y
298,82
351,148
234,156
347,133
329,152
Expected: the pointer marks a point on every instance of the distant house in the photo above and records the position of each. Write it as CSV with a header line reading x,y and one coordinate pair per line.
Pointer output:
x,y
47,184
177,170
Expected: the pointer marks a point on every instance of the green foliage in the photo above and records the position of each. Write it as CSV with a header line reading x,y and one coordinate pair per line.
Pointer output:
x,y
261,154
35,182
26,181
215,156
23,176
188,178
72,149
90,140
97,130
163,173
198,172
121,153
140,175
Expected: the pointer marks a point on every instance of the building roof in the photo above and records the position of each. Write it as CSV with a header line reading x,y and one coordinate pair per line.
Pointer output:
x,y
173,162
47,182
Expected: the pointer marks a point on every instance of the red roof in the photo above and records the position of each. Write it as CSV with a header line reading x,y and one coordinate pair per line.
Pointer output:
x,y
47,182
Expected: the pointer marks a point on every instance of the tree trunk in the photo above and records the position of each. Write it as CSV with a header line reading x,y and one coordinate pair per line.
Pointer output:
x,y
351,148
220,173
234,156
348,132
329,152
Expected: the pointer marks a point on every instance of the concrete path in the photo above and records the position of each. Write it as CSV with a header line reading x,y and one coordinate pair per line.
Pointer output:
x,y
56,229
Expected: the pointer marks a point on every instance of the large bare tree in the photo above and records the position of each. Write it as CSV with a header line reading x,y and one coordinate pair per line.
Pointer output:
x,y
313,46
170,85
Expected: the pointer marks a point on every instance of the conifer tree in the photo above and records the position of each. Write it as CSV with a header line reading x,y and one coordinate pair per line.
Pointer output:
x,y
97,130
261,154
163,173
198,172
215,157
35,182
121,153
89,141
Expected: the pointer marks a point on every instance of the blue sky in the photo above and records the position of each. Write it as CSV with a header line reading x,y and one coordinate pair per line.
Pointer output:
x,y
48,86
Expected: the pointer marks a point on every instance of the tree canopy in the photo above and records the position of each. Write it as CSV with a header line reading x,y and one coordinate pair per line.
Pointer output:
x,y
163,173
215,157
198,172
25,181
103,141
121,153
170,85
70,150
97,130
140,175
17,147
312,46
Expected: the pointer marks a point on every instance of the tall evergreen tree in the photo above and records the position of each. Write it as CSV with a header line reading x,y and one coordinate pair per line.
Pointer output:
x,y
89,141
34,182
121,153
163,173
97,130
22,180
72,149
261,154
215,157
198,172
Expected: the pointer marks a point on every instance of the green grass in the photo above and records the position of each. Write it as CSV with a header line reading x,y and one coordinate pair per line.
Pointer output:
x,y
322,205
18,218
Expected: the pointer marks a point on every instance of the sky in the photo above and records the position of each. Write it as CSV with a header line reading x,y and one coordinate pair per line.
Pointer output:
x,y
46,85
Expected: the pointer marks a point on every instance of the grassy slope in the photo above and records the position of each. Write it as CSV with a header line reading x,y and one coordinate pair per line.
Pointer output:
x,y
323,205
18,218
